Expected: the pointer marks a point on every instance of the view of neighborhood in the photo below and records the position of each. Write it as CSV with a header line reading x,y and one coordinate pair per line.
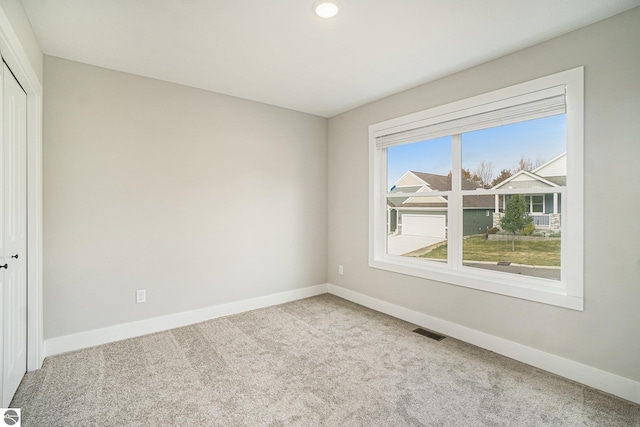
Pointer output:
x,y
512,222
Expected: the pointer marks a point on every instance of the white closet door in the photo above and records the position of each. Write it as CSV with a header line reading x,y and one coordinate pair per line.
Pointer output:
x,y
13,237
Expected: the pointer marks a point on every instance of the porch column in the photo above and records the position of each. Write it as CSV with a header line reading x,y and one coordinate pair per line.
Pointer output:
x,y
497,203
388,220
555,203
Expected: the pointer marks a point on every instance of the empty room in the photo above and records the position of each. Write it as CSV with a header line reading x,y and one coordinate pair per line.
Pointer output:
x,y
331,213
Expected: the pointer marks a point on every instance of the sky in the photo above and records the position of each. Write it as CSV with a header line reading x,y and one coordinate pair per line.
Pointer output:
x,y
503,146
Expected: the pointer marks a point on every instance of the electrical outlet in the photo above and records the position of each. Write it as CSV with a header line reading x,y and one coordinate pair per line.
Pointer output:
x,y
340,270
141,296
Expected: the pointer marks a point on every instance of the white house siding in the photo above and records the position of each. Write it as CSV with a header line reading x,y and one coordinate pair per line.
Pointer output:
x,y
409,179
556,167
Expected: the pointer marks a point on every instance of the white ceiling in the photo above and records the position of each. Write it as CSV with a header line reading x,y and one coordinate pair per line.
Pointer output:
x,y
278,52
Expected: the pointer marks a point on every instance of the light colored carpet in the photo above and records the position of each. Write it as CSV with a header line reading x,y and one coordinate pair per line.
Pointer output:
x,y
321,361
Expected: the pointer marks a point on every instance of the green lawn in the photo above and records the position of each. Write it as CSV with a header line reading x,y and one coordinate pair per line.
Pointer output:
x,y
533,252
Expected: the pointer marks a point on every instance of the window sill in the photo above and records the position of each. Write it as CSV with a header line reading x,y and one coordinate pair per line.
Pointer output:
x,y
532,289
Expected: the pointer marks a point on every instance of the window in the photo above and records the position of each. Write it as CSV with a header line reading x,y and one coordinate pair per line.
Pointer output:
x,y
535,203
485,192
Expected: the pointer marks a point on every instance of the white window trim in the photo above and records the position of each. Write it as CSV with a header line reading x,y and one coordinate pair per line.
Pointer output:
x,y
569,291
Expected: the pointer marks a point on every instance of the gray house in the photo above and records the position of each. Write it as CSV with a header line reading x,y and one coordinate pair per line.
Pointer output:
x,y
545,209
427,215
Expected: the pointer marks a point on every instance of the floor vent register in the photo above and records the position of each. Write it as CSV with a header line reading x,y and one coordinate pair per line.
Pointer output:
x,y
429,334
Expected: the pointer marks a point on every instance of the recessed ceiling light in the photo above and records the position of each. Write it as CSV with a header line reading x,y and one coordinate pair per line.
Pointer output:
x,y
326,9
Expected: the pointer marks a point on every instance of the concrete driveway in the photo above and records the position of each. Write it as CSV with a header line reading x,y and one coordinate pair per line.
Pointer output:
x,y
401,244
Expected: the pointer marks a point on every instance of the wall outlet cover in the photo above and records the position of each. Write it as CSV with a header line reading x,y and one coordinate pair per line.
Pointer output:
x,y
141,296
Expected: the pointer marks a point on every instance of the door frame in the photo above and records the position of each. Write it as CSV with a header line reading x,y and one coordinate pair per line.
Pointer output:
x,y
16,58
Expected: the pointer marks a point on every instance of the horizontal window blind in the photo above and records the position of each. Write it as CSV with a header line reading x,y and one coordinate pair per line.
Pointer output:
x,y
528,107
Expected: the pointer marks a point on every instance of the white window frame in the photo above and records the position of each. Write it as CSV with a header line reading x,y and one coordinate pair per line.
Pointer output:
x,y
567,292
544,204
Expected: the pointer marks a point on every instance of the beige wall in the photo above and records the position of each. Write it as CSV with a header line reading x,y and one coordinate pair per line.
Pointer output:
x,y
605,335
198,198
22,27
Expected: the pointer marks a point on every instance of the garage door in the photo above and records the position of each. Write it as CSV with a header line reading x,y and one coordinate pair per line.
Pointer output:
x,y
424,225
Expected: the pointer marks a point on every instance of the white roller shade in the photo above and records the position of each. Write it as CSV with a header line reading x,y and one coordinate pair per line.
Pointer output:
x,y
530,106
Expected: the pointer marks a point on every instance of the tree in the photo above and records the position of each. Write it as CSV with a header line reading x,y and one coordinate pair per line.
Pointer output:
x,y
516,217
504,174
528,164
484,173
473,178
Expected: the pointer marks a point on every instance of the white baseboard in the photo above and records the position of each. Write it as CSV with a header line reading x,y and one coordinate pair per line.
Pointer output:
x,y
95,337
610,383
